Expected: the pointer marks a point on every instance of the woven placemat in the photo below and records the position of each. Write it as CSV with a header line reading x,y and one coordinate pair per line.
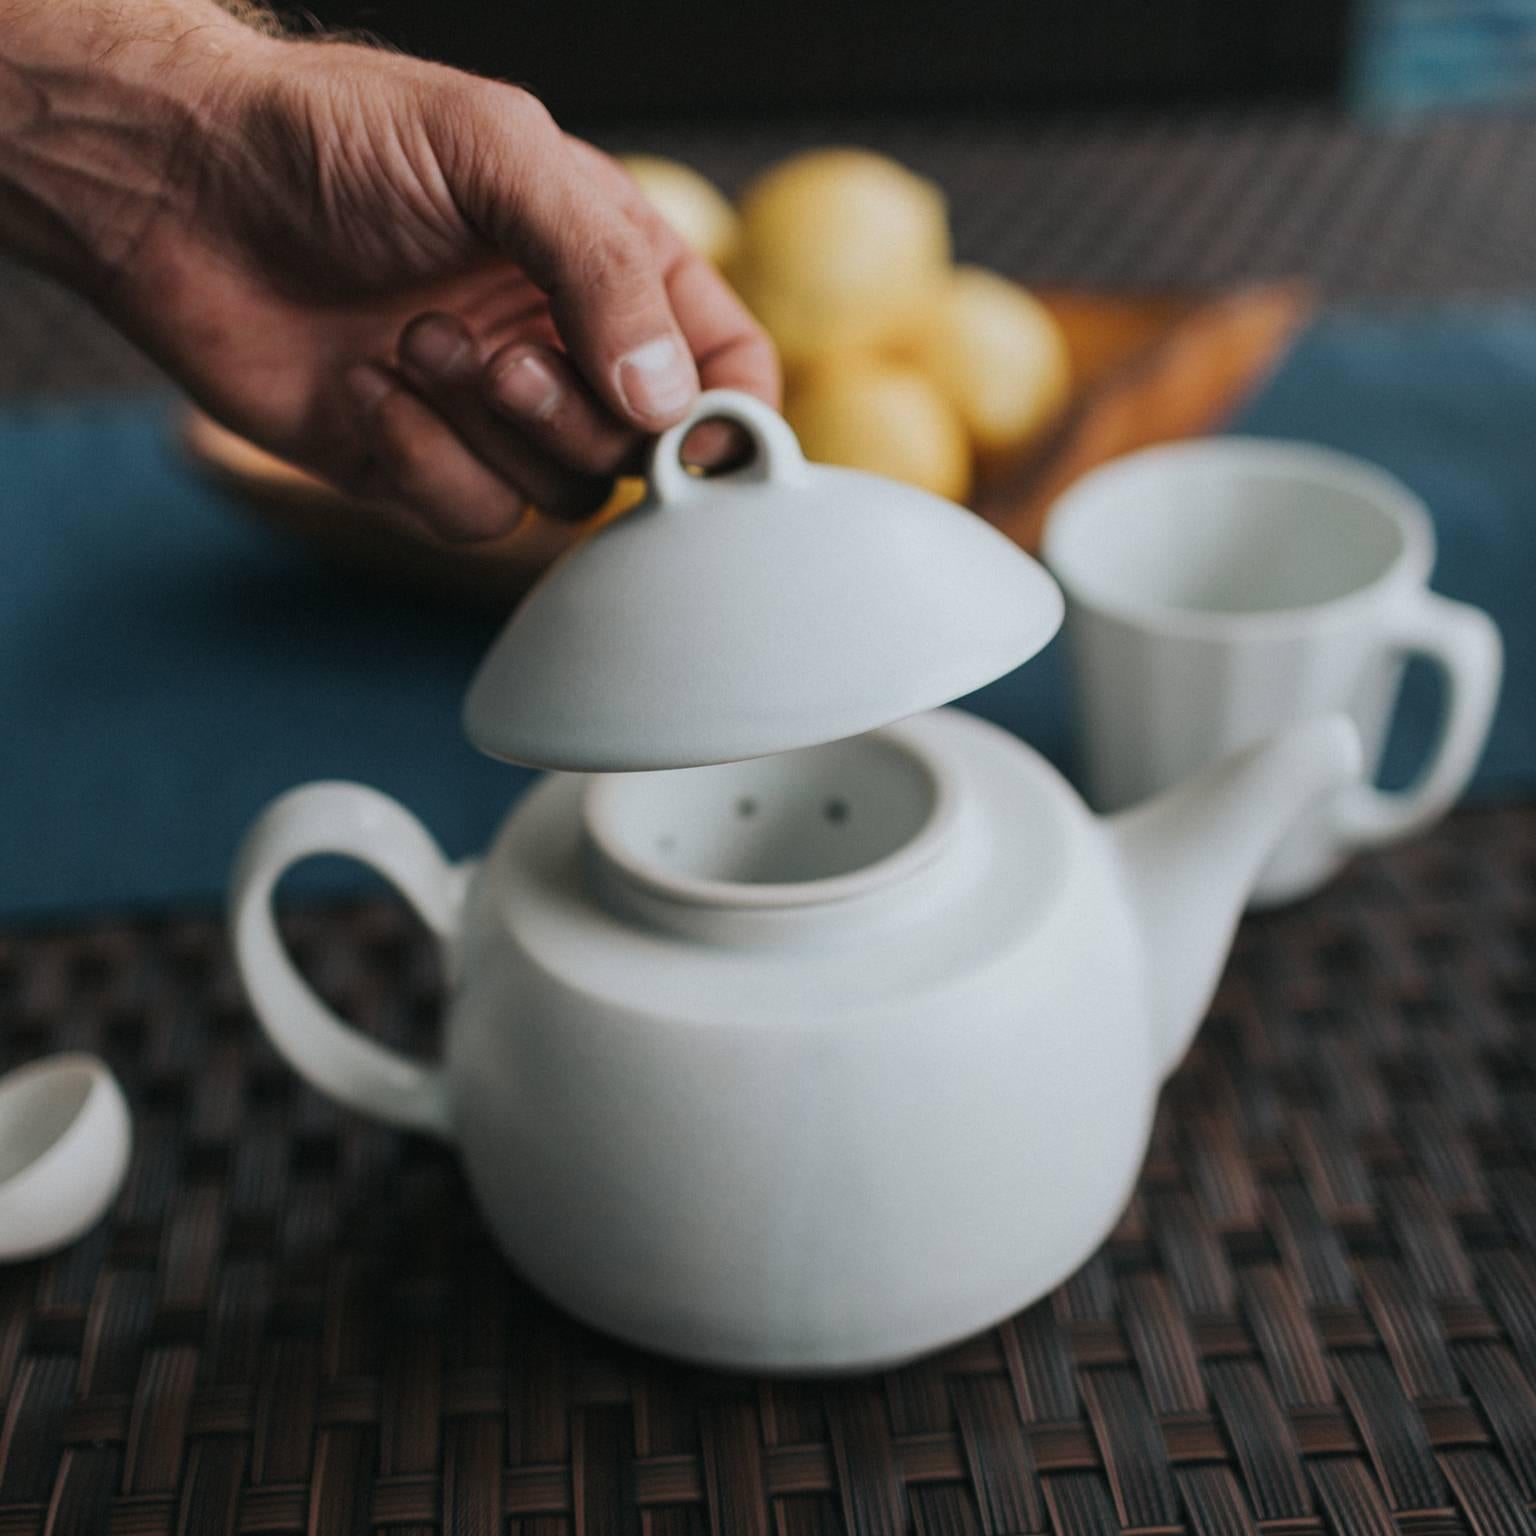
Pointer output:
x,y
1318,1313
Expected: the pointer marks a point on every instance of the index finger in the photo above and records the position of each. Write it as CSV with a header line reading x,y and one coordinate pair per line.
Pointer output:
x,y
730,349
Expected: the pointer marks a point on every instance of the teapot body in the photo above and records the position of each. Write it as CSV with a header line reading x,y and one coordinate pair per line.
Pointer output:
x,y
808,1063
833,1135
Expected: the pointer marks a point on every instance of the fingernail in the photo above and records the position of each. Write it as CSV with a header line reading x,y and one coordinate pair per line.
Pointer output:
x,y
657,380
526,385
434,346
369,384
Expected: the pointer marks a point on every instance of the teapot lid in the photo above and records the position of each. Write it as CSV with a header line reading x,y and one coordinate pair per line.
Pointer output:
x,y
734,616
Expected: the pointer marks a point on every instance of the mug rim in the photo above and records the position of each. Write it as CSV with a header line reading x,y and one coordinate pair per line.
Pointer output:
x,y
1300,461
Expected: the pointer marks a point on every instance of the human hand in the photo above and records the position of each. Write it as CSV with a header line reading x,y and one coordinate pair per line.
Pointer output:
x,y
406,279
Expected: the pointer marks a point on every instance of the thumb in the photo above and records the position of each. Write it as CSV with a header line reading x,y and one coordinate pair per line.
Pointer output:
x,y
603,270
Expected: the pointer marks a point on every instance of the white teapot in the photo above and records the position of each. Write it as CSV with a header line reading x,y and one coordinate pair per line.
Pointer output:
x,y
836,1035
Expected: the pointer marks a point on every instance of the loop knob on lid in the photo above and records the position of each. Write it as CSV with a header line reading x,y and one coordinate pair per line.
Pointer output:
x,y
776,449
738,615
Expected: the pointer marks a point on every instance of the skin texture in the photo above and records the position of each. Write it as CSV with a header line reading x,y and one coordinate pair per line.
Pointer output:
x,y
406,279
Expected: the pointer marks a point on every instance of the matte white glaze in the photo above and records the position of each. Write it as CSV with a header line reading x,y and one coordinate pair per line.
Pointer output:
x,y
1218,590
64,1144
780,606
812,1124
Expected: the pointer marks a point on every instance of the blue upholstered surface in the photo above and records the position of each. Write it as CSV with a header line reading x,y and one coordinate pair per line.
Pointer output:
x,y
166,667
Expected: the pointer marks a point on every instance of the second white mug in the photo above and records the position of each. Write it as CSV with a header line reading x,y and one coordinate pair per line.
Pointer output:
x,y
1220,588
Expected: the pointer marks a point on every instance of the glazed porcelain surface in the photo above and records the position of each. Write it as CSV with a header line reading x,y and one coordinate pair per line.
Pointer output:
x,y
807,1063
1219,590
64,1144
776,607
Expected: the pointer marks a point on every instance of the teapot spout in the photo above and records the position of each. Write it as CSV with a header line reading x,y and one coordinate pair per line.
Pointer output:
x,y
1191,856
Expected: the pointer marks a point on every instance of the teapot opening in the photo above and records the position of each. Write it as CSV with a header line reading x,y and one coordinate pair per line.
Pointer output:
x,y
821,823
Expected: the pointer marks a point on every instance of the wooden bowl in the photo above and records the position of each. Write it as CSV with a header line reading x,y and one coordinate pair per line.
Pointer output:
x,y
352,535
1146,370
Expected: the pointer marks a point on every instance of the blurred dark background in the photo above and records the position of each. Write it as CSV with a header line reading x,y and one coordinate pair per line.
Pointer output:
x,y
596,60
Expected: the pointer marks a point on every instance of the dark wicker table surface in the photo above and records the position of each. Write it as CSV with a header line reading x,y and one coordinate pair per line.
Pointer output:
x,y
1318,1313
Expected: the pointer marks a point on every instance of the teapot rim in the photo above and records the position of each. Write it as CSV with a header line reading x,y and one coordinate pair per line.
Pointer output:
x,y
602,822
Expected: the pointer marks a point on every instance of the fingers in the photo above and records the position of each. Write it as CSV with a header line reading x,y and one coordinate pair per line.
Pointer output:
x,y
645,319
733,351
416,459
527,190
540,392
730,349
442,363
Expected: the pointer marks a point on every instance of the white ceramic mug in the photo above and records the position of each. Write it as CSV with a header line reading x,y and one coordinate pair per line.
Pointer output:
x,y
1218,589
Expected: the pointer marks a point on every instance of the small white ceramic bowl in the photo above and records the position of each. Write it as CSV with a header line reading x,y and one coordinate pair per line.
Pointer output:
x,y
64,1143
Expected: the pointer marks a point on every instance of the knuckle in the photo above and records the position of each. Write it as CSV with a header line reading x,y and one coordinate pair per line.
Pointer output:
x,y
520,110
614,261
488,117
482,121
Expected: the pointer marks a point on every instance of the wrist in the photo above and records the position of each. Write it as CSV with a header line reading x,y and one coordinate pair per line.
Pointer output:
x,y
98,105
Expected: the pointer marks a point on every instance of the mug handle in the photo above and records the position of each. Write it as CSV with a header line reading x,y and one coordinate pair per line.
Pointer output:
x,y
359,823
1464,643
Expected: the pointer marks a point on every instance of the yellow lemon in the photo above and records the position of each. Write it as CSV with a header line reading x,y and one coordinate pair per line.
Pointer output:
x,y
867,413
999,357
840,248
692,205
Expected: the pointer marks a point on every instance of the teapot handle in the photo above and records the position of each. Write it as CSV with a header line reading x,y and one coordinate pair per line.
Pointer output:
x,y
776,450
363,824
